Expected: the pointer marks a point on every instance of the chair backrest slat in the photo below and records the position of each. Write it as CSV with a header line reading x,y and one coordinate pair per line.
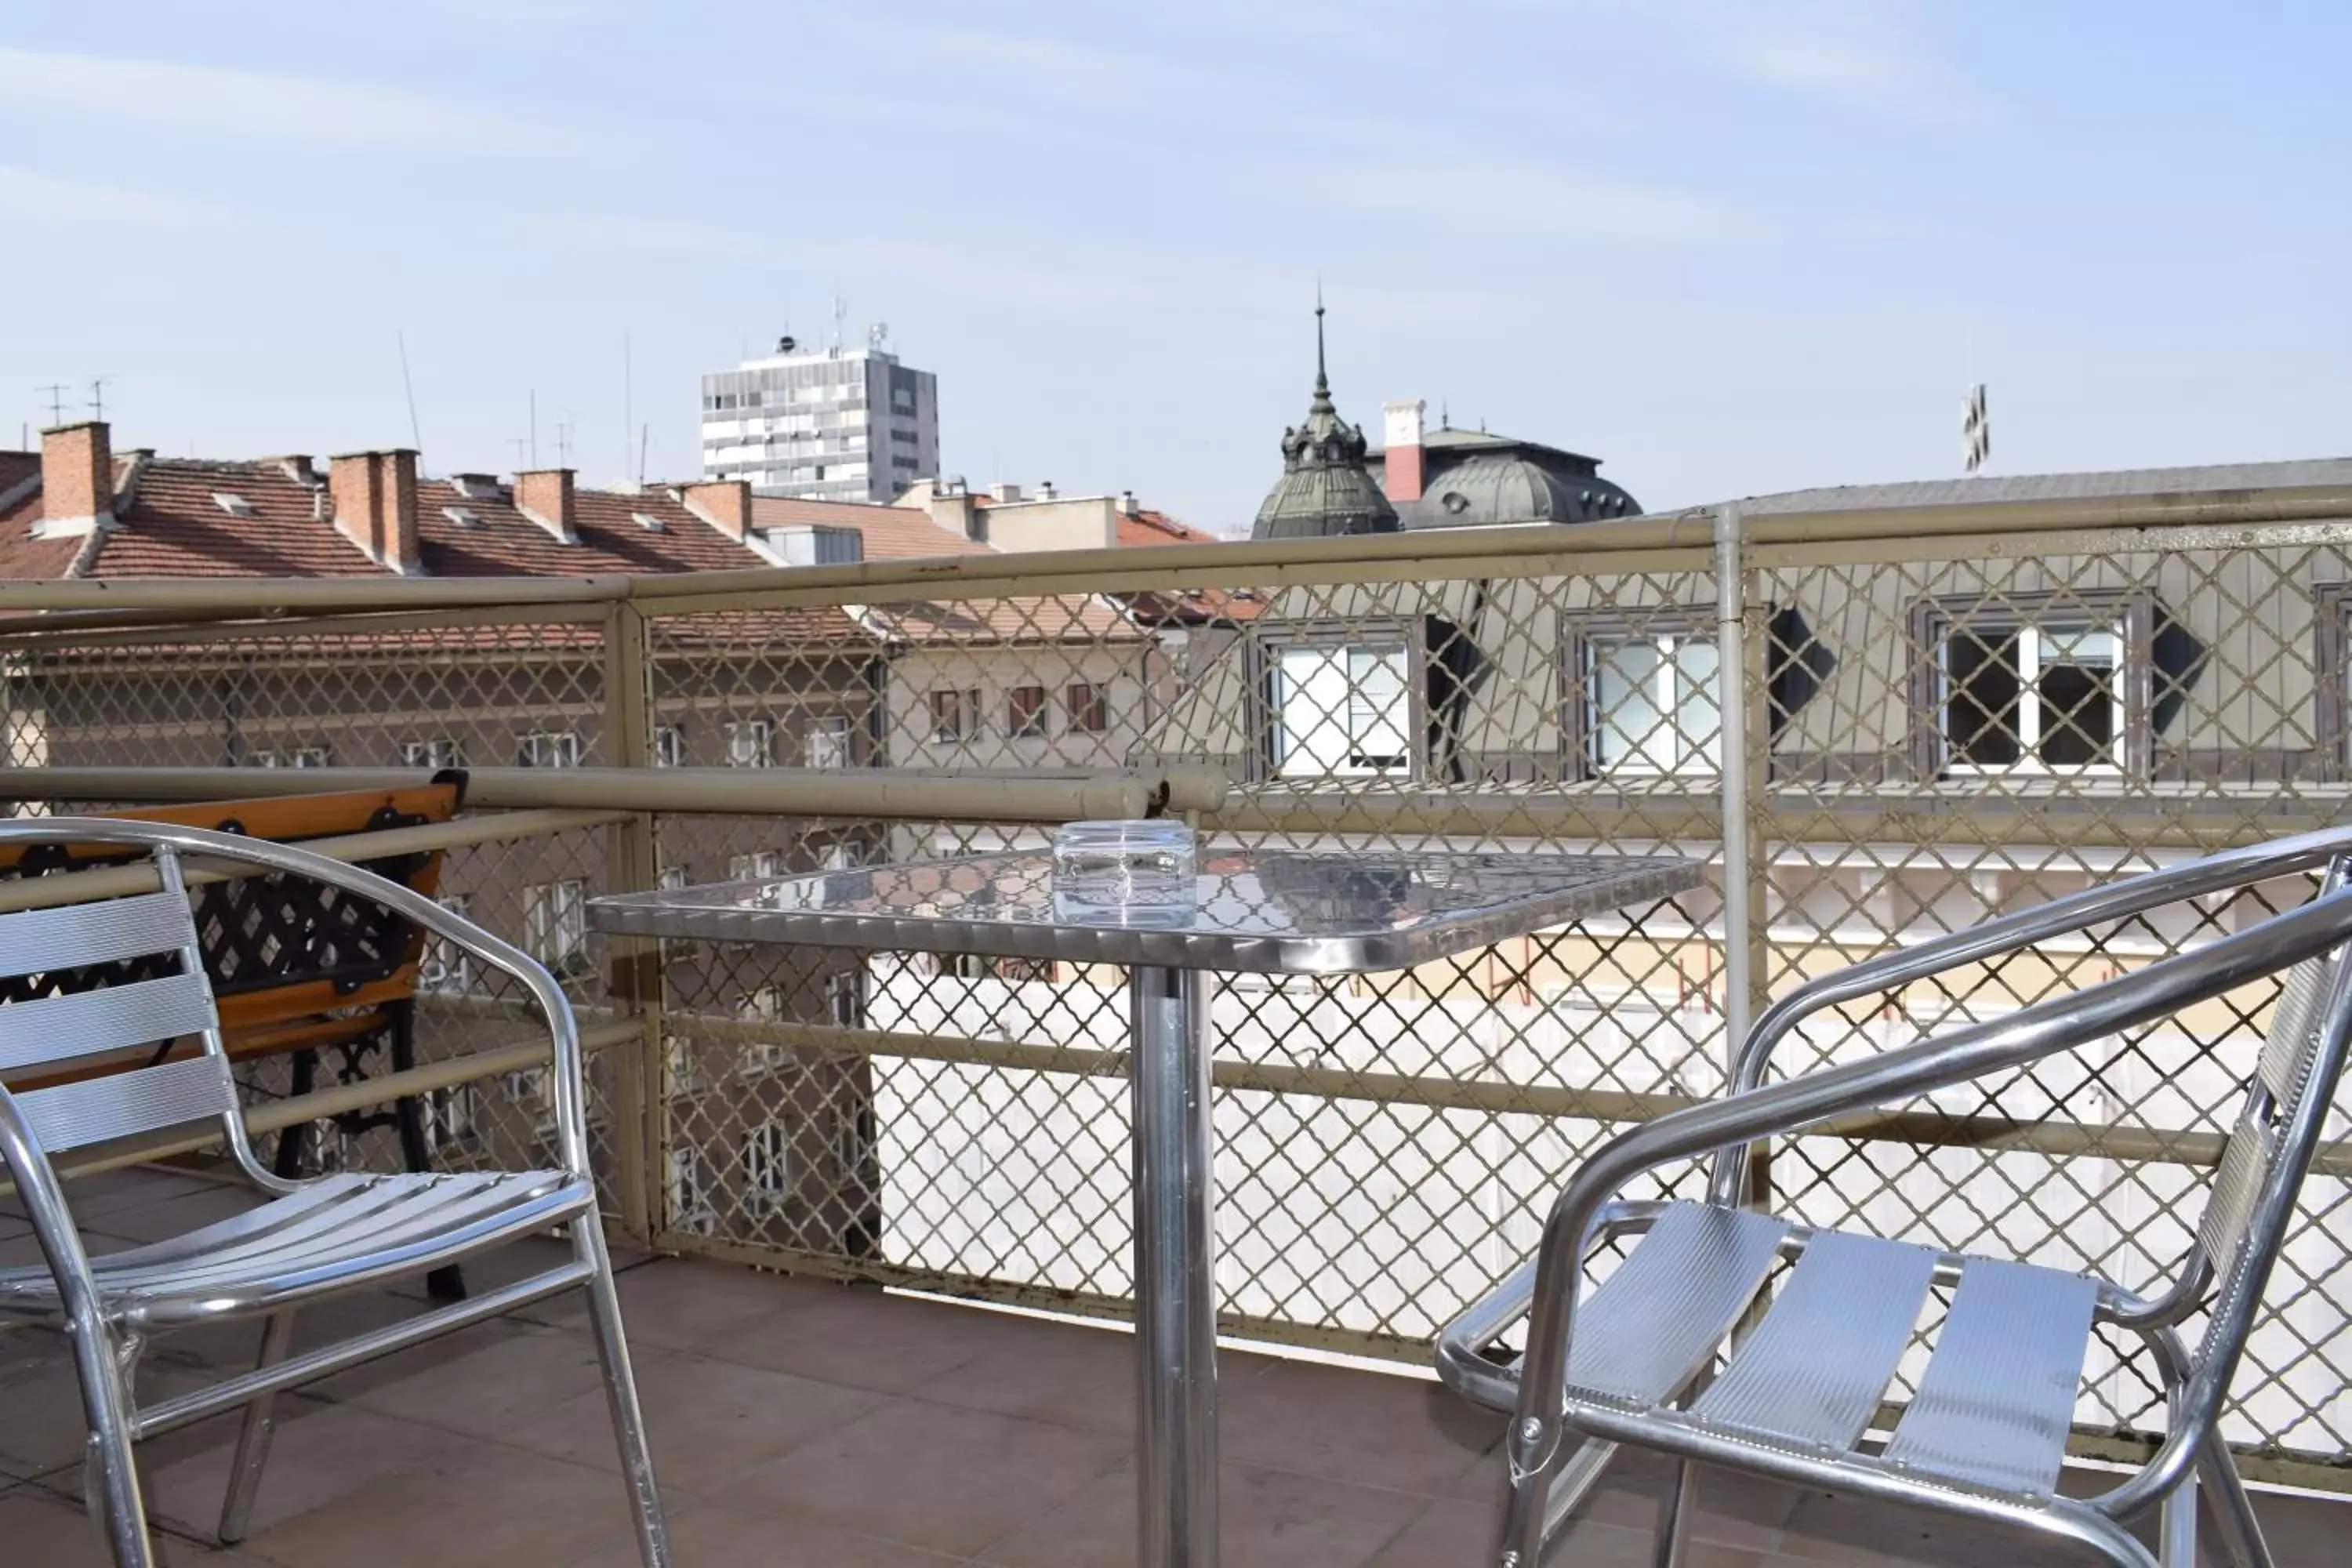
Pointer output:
x,y
2281,1074
2246,1160
164,995
2294,1031
38,942
92,1023
75,1115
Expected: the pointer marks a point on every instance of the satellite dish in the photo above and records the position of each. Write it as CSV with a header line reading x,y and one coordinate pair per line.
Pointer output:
x,y
878,334
787,343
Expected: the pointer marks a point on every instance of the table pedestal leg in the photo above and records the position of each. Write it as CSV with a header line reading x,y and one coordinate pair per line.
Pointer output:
x,y
1175,1276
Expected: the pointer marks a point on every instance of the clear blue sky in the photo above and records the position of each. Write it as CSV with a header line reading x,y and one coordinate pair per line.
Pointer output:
x,y
1728,247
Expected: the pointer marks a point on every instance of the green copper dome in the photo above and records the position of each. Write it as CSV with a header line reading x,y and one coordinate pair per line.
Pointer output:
x,y
1325,488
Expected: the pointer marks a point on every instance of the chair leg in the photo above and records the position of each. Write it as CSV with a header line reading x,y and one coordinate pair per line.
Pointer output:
x,y
621,1392
109,1468
1675,1510
2177,1525
2232,1509
253,1437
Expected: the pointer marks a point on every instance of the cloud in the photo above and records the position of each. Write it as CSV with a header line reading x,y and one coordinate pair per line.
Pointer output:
x,y
1525,199
212,98
1853,53
24,193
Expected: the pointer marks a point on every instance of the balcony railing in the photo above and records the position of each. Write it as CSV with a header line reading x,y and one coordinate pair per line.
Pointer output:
x,y
1930,718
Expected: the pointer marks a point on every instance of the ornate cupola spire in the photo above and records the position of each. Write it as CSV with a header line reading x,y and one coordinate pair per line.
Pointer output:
x,y
1325,488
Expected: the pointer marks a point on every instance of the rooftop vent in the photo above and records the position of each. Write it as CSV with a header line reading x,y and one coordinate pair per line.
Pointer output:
x,y
649,522
234,504
463,516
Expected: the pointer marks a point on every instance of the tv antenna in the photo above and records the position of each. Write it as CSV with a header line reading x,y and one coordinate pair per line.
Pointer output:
x,y
840,316
97,396
57,392
416,433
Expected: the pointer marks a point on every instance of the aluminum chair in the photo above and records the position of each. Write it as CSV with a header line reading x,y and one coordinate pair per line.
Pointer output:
x,y
1696,1346
308,1240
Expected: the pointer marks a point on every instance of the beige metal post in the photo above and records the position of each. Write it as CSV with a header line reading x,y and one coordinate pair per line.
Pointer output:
x,y
631,865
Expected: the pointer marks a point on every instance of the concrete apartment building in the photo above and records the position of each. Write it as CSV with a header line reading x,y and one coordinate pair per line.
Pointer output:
x,y
844,424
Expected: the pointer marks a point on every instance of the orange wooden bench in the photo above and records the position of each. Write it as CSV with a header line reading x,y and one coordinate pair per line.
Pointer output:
x,y
297,970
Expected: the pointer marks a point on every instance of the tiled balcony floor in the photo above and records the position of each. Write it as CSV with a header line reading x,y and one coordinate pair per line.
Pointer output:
x,y
798,1424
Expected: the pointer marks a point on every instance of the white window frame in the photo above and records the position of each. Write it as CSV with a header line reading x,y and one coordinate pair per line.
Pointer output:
x,y
555,919
314,757
767,1166
1347,722
758,865
669,746
1665,692
827,744
750,742
436,753
551,749
688,1190
2033,635
452,1116
532,1090
444,969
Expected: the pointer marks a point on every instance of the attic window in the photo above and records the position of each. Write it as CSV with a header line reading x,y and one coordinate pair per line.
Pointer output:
x,y
464,517
649,522
233,504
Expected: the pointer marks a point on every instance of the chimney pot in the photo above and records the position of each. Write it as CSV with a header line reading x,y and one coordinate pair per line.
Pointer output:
x,y
1404,467
1128,506
374,495
1007,493
724,504
544,496
76,477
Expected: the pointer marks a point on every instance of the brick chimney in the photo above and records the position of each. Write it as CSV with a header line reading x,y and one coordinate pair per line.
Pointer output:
x,y
544,496
374,495
77,479
724,504
1406,469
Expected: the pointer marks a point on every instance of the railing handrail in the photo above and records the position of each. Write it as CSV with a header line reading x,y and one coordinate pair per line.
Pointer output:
x,y
1074,571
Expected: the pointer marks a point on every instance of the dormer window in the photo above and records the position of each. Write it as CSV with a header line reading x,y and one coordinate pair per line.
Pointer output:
x,y
649,522
232,504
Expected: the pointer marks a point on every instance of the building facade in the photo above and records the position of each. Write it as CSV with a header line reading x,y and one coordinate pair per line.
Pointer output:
x,y
822,424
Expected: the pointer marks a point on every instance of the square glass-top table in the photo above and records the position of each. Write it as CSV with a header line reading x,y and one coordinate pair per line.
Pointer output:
x,y
1278,911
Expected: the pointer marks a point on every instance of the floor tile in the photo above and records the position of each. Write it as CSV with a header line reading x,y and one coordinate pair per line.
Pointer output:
x,y
1372,1428
474,1505
870,1340
713,1536
1268,1519
932,1476
321,1453
200,1204
710,1422
44,1531
505,1375
43,1422
1080,1376
678,1303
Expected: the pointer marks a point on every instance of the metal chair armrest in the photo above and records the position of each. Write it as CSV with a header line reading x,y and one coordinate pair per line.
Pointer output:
x,y
53,1226
2009,934
2058,1024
